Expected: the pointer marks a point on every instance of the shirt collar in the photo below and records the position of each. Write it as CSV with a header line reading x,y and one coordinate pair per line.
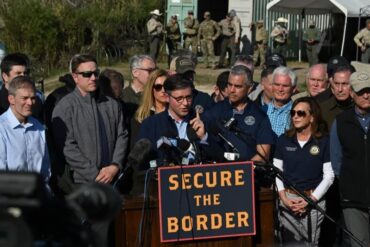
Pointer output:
x,y
285,107
14,122
358,114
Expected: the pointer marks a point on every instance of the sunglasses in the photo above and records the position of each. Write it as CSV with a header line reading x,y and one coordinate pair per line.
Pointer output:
x,y
299,113
158,87
88,74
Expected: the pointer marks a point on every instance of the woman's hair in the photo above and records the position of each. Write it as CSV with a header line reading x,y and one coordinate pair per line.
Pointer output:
x,y
318,126
147,99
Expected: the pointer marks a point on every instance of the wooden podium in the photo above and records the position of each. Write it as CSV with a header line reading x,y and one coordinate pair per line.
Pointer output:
x,y
128,221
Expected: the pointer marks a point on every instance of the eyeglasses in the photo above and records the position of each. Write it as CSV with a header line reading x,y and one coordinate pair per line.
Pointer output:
x,y
88,74
299,113
157,87
149,70
182,98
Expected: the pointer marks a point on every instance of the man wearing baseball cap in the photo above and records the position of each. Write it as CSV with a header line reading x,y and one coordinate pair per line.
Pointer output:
x,y
349,151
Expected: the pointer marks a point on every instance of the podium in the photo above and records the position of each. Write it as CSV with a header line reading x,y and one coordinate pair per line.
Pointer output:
x,y
128,222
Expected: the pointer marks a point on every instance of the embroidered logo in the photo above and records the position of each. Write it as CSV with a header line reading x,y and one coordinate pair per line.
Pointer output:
x,y
314,150
291,149
249,120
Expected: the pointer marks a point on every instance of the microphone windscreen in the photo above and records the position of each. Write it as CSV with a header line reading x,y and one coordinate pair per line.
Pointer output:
x,y
183,145
190,132
139,152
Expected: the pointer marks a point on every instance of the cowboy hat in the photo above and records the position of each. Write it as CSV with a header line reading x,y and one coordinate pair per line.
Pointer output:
x,y
156,12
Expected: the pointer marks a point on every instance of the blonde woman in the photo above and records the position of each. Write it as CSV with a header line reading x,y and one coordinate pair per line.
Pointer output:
x,y
153,100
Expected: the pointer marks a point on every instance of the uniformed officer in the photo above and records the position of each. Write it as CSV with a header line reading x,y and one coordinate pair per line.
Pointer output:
x,y
191,25
155,31
208,32
256,136
238,29
311,36
362,40
228,40
173,36
279,36
261,44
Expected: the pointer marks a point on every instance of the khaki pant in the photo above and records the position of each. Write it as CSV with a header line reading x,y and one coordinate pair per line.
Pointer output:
x,y
259,54
228,43
208,52
191,41
299,225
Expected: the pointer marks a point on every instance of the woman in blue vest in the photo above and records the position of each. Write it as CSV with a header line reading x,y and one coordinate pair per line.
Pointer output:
x,y
303,156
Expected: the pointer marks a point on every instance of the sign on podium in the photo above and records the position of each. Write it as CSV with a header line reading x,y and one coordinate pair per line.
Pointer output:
x,y
206,201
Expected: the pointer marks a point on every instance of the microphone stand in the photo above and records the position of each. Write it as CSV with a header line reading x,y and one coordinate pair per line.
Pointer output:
x,y
276,172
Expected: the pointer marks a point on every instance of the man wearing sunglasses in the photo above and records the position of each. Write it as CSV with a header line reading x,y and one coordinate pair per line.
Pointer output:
x,y
89,135
349,153
13,65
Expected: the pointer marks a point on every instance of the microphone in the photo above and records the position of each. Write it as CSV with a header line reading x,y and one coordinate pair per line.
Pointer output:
x,y
137,156
231,125
166,143
193,138
95,202
217,131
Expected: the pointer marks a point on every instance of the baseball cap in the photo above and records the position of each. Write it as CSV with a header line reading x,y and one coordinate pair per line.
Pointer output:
x,y
275,59
334,63
184,64
359,80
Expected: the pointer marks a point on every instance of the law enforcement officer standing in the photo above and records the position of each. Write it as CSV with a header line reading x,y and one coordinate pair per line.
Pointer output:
x,y
238,29
191,25
173,36
280,36
155,31
311,36
362,40
228,40
208,32
261,44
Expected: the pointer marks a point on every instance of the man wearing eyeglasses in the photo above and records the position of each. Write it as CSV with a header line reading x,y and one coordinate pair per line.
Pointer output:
x,y
179,121
316,82
141,66
89,135
13,65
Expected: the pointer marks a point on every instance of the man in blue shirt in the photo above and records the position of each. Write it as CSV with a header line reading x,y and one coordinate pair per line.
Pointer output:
x,y
249,129
284,81
22,138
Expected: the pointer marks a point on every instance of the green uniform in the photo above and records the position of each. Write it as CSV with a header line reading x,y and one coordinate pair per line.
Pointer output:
x,y
191,26
362,40
260,48
311,36
228,32
208,32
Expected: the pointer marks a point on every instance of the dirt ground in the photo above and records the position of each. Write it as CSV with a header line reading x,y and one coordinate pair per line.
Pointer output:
x,y
205,78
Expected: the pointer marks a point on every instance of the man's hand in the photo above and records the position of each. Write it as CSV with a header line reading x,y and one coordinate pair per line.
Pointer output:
x,y
198,125
106,174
